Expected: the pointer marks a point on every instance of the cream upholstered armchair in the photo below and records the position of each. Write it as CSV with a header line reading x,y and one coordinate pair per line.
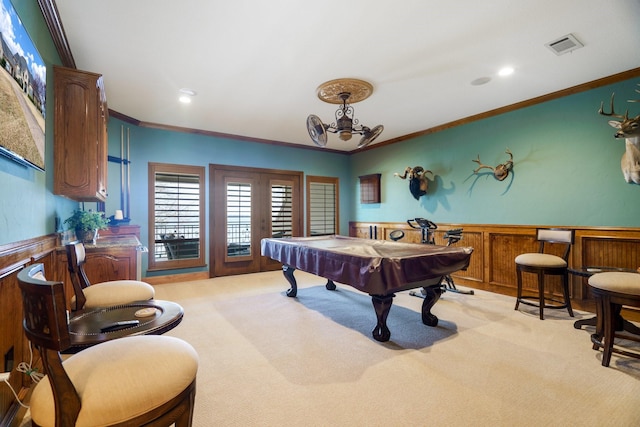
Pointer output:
x,y
542,264
133,381
105,294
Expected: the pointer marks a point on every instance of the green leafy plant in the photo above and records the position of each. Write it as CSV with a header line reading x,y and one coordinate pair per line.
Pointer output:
x,y
86,221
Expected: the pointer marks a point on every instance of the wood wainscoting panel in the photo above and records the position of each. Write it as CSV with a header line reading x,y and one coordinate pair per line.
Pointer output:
x,y
504,247
14,347
622,253
604,247
12,341
367,231
475,271
411,235
492,266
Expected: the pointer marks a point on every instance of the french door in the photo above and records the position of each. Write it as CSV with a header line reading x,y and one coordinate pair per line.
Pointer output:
x,y
246,205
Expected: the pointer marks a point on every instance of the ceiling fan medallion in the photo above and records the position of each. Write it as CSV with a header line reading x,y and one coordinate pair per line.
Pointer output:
x,y
343,91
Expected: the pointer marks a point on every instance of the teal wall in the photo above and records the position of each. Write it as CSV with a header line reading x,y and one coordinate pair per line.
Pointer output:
x,y
566,168
160,146
29,208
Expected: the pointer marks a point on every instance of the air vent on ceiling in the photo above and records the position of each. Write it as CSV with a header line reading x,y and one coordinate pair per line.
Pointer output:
x,y
564,44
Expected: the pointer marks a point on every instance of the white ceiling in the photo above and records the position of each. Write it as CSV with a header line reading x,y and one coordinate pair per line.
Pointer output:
x,y
255,64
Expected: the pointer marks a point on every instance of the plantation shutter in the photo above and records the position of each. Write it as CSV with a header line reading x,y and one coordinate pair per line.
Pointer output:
x,y
239,218
281,210
177,216
322,208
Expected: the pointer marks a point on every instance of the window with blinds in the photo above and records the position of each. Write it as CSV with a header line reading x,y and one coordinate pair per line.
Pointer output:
x,y
177,215
281,210
322,206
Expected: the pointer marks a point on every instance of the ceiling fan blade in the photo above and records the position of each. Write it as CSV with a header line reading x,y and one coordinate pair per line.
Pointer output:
x,y
370,136
317,130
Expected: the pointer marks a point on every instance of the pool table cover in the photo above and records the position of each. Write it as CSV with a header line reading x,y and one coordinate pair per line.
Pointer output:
x,y
377,267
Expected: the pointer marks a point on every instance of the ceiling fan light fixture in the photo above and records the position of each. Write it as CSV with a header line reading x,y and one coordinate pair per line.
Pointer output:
x,y
344,135
342,91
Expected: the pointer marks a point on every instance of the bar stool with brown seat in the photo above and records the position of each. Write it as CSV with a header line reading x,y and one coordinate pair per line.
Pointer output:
x,y
611,291
133,381
543,263
105,294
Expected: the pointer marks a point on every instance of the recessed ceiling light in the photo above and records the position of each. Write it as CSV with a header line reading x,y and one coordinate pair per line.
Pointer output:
x,y
506,71
186,95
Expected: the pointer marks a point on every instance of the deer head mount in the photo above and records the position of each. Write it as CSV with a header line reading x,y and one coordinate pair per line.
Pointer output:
x,y
418,182
629,129
501,171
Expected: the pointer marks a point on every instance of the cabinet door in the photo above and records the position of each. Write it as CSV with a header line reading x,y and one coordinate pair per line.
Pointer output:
x,y
80,144
107,266
102,265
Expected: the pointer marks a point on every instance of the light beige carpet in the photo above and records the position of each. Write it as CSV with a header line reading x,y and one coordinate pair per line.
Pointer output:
x,y
270,360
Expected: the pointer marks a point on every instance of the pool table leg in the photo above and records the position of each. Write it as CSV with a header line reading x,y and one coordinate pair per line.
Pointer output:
x,y
288,271
382,305
431,297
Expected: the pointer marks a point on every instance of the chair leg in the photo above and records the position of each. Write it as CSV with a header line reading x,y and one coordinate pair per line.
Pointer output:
x,y
599,321
541,293
519,291
186,418
609,331
565,292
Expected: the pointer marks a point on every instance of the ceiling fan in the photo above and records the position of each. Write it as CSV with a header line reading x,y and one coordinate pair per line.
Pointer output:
x,y
341,91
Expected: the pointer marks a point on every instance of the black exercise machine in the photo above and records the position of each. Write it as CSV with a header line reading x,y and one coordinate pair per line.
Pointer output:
x,y
427,229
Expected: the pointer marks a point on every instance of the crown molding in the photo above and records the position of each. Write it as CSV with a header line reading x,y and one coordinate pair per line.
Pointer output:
x,y
52,18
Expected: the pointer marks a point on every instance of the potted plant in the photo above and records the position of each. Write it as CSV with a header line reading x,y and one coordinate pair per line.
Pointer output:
x,y
86,224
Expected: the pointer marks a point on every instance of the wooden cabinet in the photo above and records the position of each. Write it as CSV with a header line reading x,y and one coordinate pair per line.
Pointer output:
x,y
112,258
79,135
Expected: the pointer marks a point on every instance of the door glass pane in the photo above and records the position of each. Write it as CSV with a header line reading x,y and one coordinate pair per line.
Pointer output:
x,y
238,219
177,216
281,210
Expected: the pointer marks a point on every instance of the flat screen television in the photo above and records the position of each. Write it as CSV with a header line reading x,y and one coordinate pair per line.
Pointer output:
x,y
23,89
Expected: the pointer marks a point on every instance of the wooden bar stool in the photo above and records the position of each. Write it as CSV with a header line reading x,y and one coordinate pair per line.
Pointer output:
x,y
542,264
611,291
145,380
105,294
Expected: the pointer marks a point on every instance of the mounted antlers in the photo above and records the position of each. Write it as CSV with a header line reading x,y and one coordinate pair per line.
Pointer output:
x,y
628,128
501,171
418,183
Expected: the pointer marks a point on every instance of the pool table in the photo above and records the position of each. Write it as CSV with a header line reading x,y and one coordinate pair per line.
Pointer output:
x,y
379,268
